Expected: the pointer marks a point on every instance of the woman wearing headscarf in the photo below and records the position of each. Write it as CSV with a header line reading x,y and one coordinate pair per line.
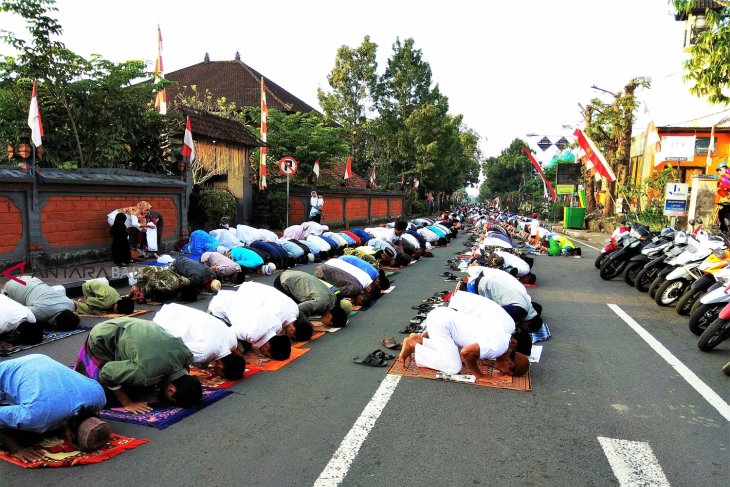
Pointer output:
x,y
120,241
141,211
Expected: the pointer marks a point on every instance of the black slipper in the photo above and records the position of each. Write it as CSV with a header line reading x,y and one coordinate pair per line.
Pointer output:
x,y
382,355
370,361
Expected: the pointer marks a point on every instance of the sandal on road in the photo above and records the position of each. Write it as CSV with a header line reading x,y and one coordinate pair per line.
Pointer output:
x,y
391,343
370,361
382,355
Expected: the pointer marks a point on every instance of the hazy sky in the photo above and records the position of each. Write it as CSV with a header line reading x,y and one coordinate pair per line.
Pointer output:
x,y
510,67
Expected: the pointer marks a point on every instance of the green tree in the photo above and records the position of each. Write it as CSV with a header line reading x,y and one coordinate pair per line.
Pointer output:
x,y
92,113
353,81
709,64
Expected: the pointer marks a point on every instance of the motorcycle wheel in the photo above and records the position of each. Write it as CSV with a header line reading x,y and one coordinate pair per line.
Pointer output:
x,y
669,292
703,316
688,299
658,281
600,259
696,304
612,268
632,270
714,335
644,278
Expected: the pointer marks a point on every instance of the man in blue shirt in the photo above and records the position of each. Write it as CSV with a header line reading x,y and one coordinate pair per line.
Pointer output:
x,y
38,394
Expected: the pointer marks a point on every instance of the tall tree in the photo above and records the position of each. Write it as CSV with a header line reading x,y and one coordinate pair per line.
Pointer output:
x,y
709,64
353,81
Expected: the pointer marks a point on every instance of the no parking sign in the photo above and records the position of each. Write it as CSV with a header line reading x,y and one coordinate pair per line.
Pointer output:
x,y
288,166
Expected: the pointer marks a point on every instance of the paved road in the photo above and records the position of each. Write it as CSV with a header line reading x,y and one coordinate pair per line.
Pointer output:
x,y
597,378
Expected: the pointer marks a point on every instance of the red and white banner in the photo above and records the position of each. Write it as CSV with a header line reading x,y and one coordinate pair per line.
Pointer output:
x,y
372,176
188,150
545,182
161,98
594,155
315,170
264,116
34,118
348,168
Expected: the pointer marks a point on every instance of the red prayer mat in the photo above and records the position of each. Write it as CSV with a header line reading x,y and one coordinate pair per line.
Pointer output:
x,y
209,379
256,361
60,453
497,379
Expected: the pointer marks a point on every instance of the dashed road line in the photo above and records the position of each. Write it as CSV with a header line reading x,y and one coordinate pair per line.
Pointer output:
x,y
633,462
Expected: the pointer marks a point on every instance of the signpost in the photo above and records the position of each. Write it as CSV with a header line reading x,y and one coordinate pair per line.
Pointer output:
x,y
675,199
288,167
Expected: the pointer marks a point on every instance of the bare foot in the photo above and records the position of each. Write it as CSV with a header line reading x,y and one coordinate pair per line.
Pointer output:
x,y
29,454
407,349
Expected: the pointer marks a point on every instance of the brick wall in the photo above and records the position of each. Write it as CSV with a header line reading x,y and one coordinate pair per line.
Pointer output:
x,y
356,208
379,207
332,211
71,221
11,223
396,206
298,212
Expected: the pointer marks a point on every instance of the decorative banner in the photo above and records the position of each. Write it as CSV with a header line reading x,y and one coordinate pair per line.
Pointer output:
x,y
544,143
594,156
539,171
562,144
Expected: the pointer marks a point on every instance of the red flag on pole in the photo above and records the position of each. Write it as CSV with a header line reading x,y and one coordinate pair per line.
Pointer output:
x,y
264,116
315,170
161,98
372,176
594,155
348,168
545,182
34,118
188,151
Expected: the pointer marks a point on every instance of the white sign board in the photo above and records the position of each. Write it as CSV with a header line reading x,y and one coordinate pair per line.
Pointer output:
x,y
677,148
675,199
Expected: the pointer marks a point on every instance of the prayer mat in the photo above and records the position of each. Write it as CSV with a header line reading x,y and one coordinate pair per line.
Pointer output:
x,y
542,334
60,453
256,361
530,285
135,313
315,335
209,379
163,415
155,263
389,290
535,354
497,379
391,273
317,327
48,337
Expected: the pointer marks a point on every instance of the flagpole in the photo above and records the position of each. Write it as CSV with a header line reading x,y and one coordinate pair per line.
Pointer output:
x,y
35,179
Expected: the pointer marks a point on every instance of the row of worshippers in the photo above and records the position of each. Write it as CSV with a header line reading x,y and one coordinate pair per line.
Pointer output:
x,y
122,357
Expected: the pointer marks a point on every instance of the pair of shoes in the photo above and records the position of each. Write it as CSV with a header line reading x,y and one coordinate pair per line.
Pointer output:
x,y
375,359
446,274
431,301
417,320
411,329
452,279
391,343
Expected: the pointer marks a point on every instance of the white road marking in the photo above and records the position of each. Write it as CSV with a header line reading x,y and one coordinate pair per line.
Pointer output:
x,y
633,463
705,391
338,466
587,245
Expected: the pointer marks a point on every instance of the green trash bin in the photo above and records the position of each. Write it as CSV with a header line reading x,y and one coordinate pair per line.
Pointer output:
x,y
573,217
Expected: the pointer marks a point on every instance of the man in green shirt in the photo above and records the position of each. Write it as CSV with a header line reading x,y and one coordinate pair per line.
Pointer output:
x,y
100,298
159,284
128,353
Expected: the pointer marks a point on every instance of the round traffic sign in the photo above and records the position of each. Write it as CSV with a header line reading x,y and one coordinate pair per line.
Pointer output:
x,y
288,166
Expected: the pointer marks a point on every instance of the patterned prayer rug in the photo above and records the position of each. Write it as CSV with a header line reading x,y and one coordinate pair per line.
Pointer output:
x,y
60,453
48,337
497,379
256,361
209,379
133,314
163,415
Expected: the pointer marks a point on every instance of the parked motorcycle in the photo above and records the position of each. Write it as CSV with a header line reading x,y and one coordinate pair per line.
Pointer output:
x,y
613,243
651,269
717,261
711,303
616,262
687,271
717,332
698,248
652,250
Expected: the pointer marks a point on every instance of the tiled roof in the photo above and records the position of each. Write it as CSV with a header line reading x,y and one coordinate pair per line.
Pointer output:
x,y
238,83
220,128
106,177
699,8
333,173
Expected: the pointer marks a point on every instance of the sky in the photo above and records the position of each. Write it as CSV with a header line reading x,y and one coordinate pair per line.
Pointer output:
x,y
510,67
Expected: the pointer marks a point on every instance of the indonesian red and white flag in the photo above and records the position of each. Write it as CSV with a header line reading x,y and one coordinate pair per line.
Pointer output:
x,y
348,168
34,118
188,150
545,183
372,176
161,98
315,169
264,116
594,155
711,148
